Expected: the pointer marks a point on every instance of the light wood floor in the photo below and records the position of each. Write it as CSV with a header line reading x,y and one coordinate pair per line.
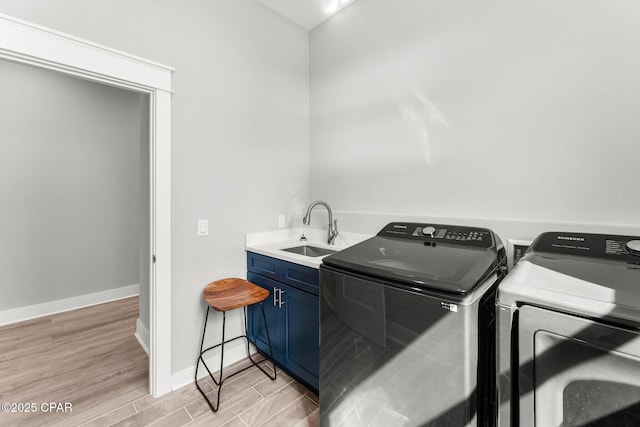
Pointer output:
x,y
90,359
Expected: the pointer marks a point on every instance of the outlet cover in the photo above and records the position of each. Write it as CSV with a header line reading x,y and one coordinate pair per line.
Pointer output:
x,y
281,221
515,250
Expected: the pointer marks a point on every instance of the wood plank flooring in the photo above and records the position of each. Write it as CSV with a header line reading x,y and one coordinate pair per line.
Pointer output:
x,y
90,359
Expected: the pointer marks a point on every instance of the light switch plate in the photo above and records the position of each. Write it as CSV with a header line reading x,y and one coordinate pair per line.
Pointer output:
x,y
203,227
281,221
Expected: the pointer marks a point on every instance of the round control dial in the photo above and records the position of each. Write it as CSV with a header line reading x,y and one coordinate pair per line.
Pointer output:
x,y
428,231
633,246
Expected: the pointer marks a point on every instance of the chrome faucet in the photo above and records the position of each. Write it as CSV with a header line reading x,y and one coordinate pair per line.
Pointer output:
x,y
333,224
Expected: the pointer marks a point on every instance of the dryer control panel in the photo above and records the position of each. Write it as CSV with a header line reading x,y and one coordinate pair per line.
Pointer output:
x,y
605,246
439,233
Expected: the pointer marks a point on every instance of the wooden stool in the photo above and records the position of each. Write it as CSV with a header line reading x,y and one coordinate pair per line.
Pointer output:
x,y
224,295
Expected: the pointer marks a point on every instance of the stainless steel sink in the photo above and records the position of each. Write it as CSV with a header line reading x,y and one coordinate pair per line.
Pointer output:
x,y
310,251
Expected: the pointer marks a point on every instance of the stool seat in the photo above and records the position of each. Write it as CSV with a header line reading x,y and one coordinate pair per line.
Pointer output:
x,y
227,294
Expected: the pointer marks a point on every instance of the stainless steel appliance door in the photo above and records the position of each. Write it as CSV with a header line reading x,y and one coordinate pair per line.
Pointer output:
x,y
393,357
576,372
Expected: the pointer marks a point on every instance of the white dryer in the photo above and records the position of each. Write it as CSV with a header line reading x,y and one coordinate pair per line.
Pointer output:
x,y
569,333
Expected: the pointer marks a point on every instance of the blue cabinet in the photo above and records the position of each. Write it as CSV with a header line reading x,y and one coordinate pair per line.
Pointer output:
x,y
292,312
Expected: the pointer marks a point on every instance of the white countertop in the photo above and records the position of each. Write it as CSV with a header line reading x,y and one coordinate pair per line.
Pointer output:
x,y
271,243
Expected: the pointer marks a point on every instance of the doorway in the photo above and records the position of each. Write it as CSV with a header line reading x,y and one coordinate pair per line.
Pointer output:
x,y
35,45
72,179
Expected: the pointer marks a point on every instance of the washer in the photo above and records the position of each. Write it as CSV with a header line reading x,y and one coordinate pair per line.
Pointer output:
x,y
407,328
569,333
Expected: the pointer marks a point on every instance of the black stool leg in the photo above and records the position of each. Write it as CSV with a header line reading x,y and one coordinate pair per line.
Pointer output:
x,y
266,327
201,359
246,329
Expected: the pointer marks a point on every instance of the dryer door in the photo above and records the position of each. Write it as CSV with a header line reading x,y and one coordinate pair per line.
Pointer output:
x,y
576,372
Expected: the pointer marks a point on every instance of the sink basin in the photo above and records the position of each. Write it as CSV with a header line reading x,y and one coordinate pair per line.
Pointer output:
x,y
310,251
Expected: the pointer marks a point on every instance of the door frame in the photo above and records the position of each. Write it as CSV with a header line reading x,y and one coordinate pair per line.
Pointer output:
x,y
28,43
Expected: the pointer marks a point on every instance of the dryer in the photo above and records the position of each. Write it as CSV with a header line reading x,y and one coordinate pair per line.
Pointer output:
x,y
568,319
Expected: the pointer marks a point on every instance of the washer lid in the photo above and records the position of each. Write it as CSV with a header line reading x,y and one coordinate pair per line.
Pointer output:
x,y
450,259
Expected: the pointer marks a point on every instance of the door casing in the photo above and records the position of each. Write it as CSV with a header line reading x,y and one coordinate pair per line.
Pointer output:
x,y
28,43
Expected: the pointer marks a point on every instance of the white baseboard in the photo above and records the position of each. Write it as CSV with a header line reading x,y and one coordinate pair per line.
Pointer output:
x,y
142,335
232,353
20,314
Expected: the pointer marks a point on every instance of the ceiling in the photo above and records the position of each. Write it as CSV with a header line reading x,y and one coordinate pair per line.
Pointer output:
x,y
307,13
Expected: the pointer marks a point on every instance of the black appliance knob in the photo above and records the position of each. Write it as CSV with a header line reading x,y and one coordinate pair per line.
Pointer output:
x,y
428,231
633,246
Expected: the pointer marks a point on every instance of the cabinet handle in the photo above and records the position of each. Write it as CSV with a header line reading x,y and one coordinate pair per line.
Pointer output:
x,y
277,297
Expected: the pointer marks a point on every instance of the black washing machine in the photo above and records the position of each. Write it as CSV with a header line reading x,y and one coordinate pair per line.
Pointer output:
x,y
407,328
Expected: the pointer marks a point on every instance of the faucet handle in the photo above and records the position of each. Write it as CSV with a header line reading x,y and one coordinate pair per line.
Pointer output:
x,y
333,232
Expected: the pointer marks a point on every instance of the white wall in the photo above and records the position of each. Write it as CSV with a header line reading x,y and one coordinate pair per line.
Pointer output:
x,y
240,140
522,116
69,172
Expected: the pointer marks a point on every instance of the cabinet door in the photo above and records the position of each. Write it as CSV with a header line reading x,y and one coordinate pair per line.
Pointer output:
x,y
275,319
302,334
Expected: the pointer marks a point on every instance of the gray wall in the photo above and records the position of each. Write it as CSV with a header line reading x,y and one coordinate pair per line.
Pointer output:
x,y
240,134
522,115
69,174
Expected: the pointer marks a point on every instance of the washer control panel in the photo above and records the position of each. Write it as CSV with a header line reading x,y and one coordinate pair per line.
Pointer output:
x,y
439,233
